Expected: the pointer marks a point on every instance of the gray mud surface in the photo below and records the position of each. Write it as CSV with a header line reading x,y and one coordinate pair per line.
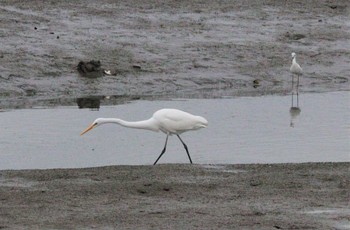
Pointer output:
x,y
158,49
170,48
279,196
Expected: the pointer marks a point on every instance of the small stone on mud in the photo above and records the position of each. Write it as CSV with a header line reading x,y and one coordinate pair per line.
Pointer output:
x,y
254,183
141,191
136,66
294,36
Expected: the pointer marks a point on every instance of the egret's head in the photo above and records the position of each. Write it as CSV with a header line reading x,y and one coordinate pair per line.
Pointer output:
x,y
96,123
202,122
293,55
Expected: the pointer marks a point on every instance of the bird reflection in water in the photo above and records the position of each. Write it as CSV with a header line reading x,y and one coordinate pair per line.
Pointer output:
x,y
92,103
294,112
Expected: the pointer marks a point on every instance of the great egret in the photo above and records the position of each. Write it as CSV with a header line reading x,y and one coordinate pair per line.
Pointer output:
x,y
295,69
169,121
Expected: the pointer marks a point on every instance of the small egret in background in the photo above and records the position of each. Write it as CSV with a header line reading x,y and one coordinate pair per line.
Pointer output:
x,y
169,121
295,69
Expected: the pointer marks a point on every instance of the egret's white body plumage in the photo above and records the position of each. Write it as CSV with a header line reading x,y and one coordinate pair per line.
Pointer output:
x,y
169,121
295,67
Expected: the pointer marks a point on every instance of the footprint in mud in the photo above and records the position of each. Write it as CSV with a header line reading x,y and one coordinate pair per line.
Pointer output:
x,y
292,36
340,80
149,185
141,191
156,212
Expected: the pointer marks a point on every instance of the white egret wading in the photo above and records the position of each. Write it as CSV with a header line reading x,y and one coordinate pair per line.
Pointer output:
x,y
295,69
169,121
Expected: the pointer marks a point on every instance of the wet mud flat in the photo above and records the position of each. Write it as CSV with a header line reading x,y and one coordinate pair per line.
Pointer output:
x,y
186,49
180,48
174,196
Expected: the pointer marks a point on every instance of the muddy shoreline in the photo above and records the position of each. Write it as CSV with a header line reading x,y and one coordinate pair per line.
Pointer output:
x,y
167,196
170,49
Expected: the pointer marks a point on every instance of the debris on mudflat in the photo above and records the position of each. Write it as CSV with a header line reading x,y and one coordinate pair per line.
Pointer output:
x,y
91,69
107,72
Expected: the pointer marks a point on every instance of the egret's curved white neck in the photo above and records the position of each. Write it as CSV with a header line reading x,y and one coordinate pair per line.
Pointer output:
x,y
294,59
149,124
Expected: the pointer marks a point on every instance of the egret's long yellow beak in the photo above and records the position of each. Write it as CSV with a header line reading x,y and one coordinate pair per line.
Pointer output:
x,y
87,129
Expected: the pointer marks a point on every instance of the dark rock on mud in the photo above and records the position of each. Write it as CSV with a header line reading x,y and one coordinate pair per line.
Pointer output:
x,y
90,69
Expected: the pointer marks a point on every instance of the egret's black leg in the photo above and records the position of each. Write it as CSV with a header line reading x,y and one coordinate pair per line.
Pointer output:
x,y
166,141
298,100
298,85
188,154
292,89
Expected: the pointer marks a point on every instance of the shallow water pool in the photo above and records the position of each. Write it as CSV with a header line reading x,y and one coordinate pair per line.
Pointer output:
x,y
241,130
